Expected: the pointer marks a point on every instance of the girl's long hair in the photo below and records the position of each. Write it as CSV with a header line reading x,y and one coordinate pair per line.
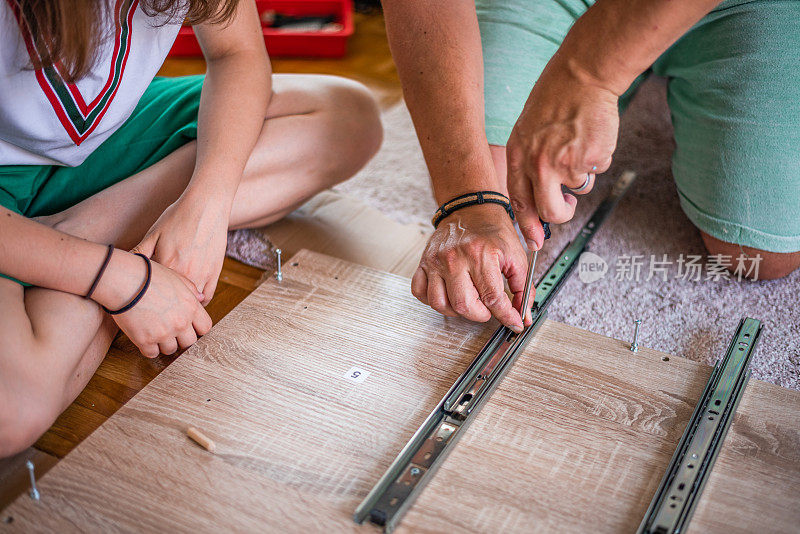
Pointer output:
x,y
68,32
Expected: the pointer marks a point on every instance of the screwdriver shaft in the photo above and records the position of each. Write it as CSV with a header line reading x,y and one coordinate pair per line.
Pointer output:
x,y
525,307
526,295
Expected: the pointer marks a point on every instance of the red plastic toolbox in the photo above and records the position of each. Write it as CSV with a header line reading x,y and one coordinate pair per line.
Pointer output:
x,y
288,43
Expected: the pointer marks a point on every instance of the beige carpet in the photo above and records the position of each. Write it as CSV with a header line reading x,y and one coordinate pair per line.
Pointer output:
x,y
685,317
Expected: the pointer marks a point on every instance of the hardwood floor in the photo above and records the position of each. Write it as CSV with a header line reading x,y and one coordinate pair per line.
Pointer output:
x,y
124,372
368,60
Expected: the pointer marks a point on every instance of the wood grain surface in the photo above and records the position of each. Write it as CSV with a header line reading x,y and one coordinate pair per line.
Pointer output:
x,y
576,438
368,60
124,372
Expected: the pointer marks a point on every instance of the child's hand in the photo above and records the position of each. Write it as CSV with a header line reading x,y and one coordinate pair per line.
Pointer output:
x,y
169,315
190,238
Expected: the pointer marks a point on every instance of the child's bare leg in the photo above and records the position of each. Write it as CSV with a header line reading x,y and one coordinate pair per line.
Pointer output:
x,y
319,131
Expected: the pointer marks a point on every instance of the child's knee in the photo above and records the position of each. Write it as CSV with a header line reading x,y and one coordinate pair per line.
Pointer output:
x,y
771,265
21,423
355,118
30,400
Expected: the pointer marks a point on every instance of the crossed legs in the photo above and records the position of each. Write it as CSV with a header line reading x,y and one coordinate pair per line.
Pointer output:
x,y
319,131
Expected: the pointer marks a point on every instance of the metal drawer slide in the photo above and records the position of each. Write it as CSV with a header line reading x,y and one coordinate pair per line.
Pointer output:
x,y
405,478
690,467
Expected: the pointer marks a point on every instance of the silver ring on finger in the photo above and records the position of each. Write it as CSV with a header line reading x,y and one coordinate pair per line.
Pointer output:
x,y
586,184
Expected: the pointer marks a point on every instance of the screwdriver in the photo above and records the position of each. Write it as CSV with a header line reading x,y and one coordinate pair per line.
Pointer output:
x,y
526,295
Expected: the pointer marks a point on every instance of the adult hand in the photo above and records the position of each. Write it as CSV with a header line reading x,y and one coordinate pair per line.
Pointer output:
x,y
169,315
461,271
567,130
190,238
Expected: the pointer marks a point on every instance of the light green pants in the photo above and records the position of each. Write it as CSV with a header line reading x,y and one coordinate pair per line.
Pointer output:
x,y
734,95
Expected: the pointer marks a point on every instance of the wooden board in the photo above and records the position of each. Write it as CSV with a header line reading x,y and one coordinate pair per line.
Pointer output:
x,y
14,477
368,60
122,374
576,438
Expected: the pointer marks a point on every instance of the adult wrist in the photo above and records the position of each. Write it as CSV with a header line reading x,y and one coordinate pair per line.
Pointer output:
x,y
467,200
480,213
448,190
590,62
587,74
467,169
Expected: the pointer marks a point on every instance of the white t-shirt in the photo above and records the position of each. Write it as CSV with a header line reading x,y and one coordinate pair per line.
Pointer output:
x,y
47,121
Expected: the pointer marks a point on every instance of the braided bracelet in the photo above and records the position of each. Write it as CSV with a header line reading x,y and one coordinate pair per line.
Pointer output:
x,y
141,292
471,199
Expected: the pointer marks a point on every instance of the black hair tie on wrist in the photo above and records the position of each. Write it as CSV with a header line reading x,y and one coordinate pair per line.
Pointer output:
x,y
471,199
141,292
97,278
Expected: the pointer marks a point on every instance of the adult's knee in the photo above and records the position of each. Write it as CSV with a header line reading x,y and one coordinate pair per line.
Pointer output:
x,y
762,264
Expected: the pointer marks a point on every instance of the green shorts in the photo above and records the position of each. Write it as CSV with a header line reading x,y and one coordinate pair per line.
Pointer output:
x,y
734,96
164,120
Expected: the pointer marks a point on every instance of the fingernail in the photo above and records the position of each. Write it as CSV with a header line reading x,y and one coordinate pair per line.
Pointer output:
x,y
531,244
516,329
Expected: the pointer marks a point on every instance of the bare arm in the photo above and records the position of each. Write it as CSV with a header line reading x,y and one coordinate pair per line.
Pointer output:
x,y
38,255
570,121
233,103
190,236
616,40
169,314
437,49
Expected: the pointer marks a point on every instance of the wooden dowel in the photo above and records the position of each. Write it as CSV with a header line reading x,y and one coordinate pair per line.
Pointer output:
x,y
201,439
